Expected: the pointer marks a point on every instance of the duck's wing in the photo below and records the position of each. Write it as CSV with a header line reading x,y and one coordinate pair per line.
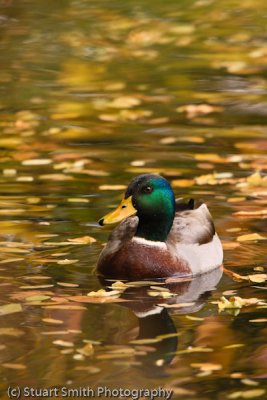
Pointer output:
x,y
191,225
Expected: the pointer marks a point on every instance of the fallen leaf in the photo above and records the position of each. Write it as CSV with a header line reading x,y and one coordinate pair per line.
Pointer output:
x,y
104,293
258,320
52,321
82,240
32,287
10,308
65,307
87,350
183,182
37,298
247,394
96,299
193,110
250,237
63,343
179,305
207,366
195,350
40,161
11,332
235,302
65,284
249,382
248,213
67,262
14,366
112,187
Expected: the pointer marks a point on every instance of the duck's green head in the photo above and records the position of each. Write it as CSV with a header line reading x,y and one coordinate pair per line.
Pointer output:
x,y
151,198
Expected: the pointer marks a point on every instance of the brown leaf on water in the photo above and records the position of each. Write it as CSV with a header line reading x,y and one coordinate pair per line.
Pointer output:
x,y
14,332
65,307
258,320
14,366
228,245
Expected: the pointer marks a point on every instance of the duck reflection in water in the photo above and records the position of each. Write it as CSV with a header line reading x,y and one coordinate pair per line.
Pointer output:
x,y
157,330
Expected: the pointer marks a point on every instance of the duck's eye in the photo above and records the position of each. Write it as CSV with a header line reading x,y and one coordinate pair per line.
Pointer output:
x,y
147,189
123,206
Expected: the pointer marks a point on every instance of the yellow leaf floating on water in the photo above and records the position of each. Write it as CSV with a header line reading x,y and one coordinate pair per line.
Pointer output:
x,y
37,161
112,187
67,262
250,237
10,308
56,177
96,299
124,102
235,302
214,179
87,350
52,321
207,366
211,157
104,293
247,394
248,213
197,349
183,182
82,240
257,179
258,278
194,110
11,332
67,285
63,343
37,298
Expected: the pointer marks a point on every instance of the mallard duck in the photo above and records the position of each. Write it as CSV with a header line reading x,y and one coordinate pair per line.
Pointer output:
x,y
158,236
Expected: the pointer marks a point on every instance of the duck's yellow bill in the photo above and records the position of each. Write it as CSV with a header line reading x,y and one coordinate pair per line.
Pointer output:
x,y
125,210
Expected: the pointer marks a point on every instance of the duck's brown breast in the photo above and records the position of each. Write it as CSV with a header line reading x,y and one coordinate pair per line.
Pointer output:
x,y
135,260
